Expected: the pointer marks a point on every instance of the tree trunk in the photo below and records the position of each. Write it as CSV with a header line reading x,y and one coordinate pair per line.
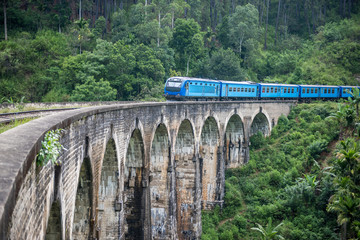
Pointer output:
x,y
158,33
146,3
307,17
277,21
349,8
97,9
5,21
172,19
240,43
344,9
211,14
267,21
187,66
313,17
80,10
185,10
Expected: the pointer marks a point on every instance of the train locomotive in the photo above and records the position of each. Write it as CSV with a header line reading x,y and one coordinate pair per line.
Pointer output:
x,y
187,88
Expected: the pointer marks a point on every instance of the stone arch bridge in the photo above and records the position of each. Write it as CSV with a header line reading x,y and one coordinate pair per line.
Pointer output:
x,y
131,171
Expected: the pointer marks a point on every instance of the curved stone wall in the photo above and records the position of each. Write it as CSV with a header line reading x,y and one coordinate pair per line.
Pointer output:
x,y
138,151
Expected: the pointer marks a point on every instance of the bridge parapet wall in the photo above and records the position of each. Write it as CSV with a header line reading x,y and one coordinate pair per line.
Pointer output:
x,y
28,192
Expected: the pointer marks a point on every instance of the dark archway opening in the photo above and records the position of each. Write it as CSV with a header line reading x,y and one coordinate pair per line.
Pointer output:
x,y
82,225
185,163
160,184
53,230
108,194
133,189
209,153
234,142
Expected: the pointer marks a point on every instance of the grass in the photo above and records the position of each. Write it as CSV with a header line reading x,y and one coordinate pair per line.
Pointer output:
x,y
17,122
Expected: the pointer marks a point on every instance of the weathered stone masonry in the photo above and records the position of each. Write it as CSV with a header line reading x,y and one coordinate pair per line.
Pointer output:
x,y
139,171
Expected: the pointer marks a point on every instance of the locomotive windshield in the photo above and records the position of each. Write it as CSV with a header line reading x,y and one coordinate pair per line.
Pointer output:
x,y
174,85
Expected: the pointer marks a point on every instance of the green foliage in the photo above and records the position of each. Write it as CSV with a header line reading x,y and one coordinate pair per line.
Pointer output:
x,y
317,147
224,64
92,90
283,180
346,199
269,232
257,140
50,148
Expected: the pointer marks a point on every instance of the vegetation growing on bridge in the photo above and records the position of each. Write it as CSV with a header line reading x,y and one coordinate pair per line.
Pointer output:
x,y
301,176
62,50
50,148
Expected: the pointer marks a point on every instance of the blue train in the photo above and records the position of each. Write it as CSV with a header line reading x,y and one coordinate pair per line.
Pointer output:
x,y
187,88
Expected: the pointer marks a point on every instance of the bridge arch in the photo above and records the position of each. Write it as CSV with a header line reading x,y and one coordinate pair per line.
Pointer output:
x,y
133,189
185,173
260,121
234,140
160,183
108,193
210,154
83,213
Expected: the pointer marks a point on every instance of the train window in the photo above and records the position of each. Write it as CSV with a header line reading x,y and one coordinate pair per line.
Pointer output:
x,y
253,90
344,90
303,90
196,83
292,90
267,90
238,89
285,90
230,89
312,90
272,89
315,90
263,90
246,89
191,83
276,90
307,90
325,90
333,90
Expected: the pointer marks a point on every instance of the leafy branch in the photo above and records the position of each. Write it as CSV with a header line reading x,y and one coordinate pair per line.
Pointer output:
x,y
50,149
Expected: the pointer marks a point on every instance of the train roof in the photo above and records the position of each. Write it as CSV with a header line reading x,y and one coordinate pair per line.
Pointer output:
x,y
242,82
351,86
279,84
191,78
330,86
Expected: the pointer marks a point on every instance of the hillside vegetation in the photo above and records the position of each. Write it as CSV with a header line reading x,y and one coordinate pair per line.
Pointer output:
x,y
300,178
124,50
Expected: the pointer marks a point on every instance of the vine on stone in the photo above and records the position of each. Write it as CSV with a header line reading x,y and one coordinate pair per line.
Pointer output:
x,y
50,149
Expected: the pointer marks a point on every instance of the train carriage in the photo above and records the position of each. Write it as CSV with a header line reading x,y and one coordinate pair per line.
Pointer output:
x,y
309,91
346,90
239,90
184,87
329,91
272,90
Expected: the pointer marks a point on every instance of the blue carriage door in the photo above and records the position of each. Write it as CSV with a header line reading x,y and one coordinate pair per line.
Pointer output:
x,y
187,89
226,91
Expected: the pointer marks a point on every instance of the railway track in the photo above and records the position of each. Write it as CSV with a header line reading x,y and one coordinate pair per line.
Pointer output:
x,y
6,118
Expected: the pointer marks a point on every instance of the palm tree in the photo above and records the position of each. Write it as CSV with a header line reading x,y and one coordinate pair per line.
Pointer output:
x,y
269,232
346,200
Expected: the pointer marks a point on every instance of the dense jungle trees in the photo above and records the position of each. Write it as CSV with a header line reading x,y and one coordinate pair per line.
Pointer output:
x,y
50,47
